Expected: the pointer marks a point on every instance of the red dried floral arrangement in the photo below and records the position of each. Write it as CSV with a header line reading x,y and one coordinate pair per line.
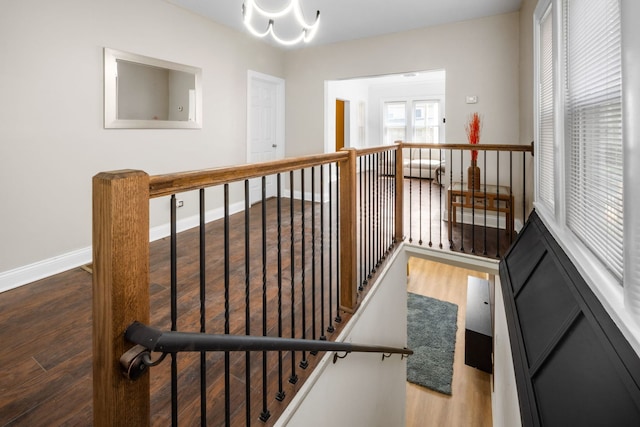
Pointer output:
x,y
473,133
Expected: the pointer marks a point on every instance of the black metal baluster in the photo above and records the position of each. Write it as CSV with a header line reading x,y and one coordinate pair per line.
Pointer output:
x,y
338,319
420,200
227,280
385,205
395,198
330,328
389,202
430,197
265,414
280,394
323,337
410,178
361,241
369,212
313,256
304,363
462,204
524,187
387,198
374,193
485,206
511,207
450,207
440,199
498,202
372,206
380,194
382,190
247,299
203,282
293,378
174,309
473,211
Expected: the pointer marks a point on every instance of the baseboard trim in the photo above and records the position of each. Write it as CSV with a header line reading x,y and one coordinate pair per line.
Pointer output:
x,y
30,273
20,276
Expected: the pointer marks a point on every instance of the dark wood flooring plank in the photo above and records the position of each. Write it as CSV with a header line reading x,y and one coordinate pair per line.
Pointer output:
x,y
48,326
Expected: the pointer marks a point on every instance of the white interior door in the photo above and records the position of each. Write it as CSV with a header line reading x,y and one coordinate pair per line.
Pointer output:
x,y
265,122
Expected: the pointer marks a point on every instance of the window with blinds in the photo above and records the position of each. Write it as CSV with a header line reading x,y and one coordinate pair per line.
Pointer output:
x,y
593,127
546,127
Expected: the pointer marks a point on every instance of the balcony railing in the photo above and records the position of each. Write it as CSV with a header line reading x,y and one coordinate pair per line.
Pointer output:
x,y
280,249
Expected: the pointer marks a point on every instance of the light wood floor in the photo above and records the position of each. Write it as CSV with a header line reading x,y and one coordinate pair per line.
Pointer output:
x,y
470,402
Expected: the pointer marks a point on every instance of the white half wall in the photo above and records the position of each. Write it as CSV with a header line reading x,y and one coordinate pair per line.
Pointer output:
x,y
362,389
504,396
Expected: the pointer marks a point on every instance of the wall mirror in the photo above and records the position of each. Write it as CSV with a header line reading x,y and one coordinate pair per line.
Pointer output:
x,y
148,93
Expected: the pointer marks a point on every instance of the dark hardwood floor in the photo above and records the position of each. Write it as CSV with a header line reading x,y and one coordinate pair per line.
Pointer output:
x,y
45,350
46,325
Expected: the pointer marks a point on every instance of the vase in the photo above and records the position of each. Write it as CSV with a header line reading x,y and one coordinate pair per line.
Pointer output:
x,y
473,176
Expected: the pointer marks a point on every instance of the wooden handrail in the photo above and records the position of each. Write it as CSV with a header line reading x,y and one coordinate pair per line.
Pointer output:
x,y
374,150
481,147
164,185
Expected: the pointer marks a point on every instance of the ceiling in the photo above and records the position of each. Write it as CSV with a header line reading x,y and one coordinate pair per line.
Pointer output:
x,y
342,20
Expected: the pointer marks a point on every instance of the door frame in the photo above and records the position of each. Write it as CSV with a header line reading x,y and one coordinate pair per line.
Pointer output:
x,y
280,111
279,118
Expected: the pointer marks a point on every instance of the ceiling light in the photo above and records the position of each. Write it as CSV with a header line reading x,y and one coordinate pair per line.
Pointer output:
x,y
308,30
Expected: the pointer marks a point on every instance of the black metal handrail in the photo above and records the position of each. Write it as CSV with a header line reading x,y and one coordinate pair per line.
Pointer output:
x,y
149,339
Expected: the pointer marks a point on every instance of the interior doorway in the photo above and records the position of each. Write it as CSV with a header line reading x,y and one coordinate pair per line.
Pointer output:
x,y
342,124
354,107
339,124
265,127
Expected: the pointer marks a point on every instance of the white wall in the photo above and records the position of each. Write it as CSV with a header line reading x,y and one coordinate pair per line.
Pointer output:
x,y
504,396
362,389
346,90
51,114
479,56
526,70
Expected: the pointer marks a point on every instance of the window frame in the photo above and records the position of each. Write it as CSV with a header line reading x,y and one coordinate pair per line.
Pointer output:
x,y
409,106
621,302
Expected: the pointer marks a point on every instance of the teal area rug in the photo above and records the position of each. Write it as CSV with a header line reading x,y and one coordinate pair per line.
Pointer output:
x,y
431,329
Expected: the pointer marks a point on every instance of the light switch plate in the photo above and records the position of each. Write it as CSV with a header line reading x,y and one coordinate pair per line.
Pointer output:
x,y
472,99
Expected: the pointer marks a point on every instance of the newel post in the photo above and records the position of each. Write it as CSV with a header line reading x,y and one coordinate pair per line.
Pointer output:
x,y
348,226
399,223
120,293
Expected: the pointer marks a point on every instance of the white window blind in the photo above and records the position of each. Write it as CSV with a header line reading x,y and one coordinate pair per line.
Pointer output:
x,y
594,128
546,126
395,122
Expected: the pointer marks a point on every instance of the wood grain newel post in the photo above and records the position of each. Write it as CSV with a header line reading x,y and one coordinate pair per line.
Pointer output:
x,y
399,214
120,293
348,225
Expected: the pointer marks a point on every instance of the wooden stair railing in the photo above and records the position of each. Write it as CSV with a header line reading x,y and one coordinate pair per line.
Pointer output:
x,y
121,264
121,256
